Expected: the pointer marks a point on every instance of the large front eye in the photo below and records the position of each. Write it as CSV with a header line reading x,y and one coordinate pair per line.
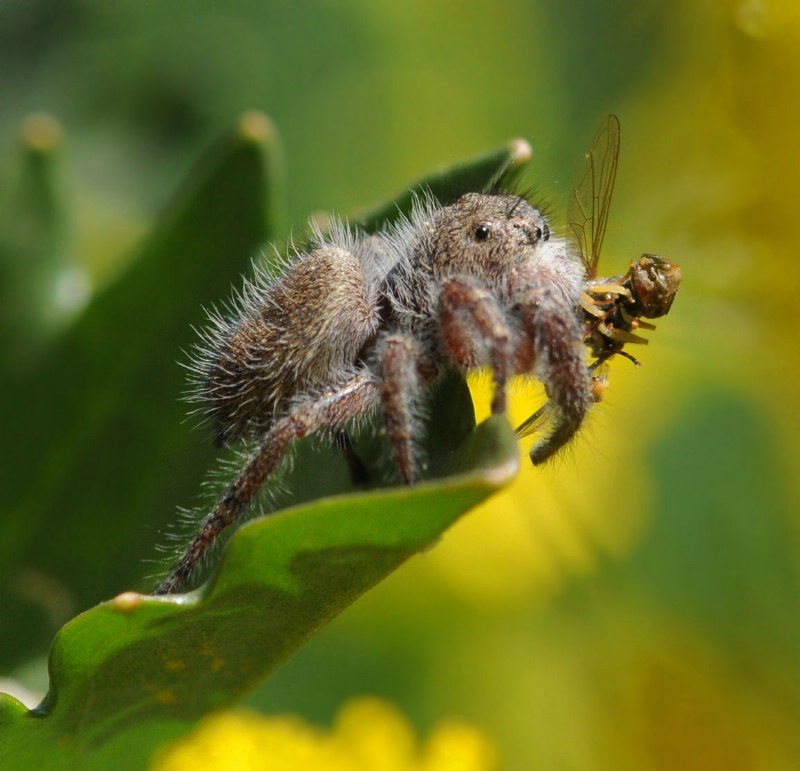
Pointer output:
x,y
543,232
482,232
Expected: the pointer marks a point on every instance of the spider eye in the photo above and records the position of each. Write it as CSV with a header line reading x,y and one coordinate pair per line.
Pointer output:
x,y
482,232
541,232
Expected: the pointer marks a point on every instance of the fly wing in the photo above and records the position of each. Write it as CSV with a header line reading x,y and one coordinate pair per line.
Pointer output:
x,y
587,212
587,216
536,422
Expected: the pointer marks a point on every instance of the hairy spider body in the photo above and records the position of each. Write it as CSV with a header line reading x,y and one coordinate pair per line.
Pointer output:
x,y
362,323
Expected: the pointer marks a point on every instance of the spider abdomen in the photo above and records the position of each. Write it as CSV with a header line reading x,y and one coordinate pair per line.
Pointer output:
x,y
297,335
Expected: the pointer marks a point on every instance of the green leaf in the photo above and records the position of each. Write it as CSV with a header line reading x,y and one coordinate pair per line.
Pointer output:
x,y
448,183
97,452
40,284
97,426
137,671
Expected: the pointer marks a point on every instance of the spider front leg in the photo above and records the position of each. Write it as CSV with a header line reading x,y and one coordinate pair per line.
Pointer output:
x,y
556,333
404,372
475,332
332,410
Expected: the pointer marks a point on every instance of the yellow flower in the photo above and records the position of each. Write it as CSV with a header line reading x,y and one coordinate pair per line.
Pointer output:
x,y
368,734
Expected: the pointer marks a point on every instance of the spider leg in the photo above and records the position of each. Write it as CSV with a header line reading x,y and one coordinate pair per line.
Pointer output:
x,y
400,390
466,307
557,336
331,410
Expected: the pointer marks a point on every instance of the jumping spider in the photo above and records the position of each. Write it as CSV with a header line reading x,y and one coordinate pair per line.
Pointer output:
x,y
358,324
361,323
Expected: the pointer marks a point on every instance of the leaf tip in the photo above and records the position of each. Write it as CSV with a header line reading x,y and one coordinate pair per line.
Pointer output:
x,y
11,708
41,132
501,474
255,126
127,602
519,151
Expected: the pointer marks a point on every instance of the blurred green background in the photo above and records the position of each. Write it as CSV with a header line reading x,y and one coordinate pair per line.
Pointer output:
x,y
633,606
